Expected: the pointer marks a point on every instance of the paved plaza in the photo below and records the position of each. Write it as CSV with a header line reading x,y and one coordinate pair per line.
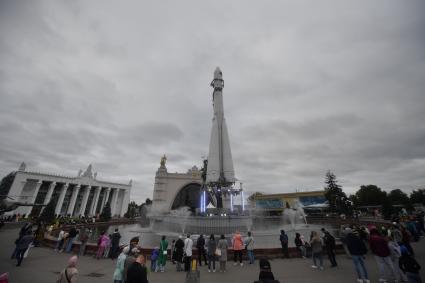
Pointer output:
x,y
43,265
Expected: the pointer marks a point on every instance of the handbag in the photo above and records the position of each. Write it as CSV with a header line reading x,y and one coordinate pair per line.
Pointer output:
x,y
218,252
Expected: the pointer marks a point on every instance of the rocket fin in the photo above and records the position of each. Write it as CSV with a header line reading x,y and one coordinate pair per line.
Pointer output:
x,y
228,170
213,168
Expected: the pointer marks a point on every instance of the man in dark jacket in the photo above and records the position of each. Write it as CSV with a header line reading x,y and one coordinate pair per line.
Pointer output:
x,y
115,242
329,242
284,243
22,246
179,246
200,245
137,272
357,249
409,266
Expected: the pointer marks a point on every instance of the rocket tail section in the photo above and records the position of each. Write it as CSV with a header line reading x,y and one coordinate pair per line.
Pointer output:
x,y
213,168
228,170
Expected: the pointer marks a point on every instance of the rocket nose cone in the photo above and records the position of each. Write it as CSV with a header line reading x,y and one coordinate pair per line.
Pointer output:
x,y
217,73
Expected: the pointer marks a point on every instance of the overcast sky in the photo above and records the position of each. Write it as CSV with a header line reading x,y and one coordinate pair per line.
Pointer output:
x,y
309,86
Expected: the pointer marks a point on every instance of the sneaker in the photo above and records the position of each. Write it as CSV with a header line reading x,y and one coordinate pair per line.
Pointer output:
x,y
235,264
359,280
381,280
366,281
314,266
321,268
241,264
214,270
209,270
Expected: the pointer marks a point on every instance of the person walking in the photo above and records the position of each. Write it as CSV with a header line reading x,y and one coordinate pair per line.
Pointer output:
x,y
188,245
115,244
179,247
222,247
379,247
71,237
137,272
395,254
70,273
200,246
22,232
329,242
212,246
22,246
162,259
316,249
237,245
284,243
409,266
299,244
249,246
119,268
357,250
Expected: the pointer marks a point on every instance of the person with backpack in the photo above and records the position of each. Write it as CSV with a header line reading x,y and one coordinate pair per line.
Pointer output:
x,y
409,266
70,273
284,243
329,242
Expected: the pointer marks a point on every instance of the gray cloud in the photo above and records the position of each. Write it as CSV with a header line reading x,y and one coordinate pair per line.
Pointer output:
x,y
308,87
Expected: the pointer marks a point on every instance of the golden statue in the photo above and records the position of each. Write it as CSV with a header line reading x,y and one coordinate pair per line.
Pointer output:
x,y
163,160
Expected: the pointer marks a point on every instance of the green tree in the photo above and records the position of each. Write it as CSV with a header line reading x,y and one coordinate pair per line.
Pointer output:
x,y
370,195
398,197
337,199
105,216
132,210
48,214
418,197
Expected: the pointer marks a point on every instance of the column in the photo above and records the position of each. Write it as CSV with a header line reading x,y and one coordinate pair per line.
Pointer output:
x,y
114,201
50,193
32,199
95,201
73,200
84,201
61,198
105,200
125,201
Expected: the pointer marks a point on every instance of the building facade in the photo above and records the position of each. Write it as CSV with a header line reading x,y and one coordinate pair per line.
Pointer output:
x,y
279,202
83,195
175,190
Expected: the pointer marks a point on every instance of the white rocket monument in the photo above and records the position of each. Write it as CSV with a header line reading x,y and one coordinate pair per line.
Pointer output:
x,y
220,172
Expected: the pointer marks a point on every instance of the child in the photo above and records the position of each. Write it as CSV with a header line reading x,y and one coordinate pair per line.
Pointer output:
x,y
409,266
154,259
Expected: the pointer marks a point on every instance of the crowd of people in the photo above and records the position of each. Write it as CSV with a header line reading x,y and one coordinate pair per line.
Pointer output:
x,y
390,246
